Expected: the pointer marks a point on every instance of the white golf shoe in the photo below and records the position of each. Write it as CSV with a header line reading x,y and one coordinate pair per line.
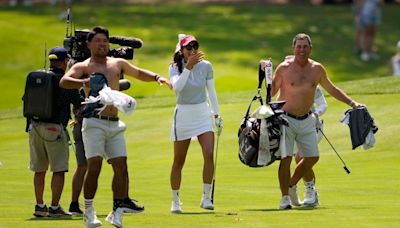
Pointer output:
x,y
311,199
285,203
90,218
115,217
206,203
294,197
176,206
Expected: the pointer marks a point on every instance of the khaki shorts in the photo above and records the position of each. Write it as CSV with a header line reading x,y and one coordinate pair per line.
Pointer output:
x,y
103,138
302,132
48,145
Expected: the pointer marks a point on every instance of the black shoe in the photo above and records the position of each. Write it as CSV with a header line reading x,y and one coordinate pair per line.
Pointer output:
x,y
129,206
58,212
74,209
41,211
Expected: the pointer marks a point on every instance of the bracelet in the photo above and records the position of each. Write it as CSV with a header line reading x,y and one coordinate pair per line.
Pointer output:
x,y
157,77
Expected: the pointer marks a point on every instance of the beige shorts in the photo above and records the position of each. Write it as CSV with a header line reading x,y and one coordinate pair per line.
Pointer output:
x,y
103,138
48,145
302,132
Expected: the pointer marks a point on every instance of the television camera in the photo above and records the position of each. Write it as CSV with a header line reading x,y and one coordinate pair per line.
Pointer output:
x,y
77,48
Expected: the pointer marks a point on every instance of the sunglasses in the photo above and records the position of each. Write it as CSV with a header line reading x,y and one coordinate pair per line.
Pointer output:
x,y
194,46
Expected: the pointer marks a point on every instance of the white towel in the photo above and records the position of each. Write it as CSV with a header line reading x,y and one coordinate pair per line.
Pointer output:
x,y
262,112
264,155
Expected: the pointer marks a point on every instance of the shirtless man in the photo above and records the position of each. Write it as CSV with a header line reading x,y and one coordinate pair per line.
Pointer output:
x,y
103,132
296,79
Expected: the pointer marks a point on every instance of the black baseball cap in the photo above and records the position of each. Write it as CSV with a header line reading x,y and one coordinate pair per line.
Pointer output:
x,y
58,53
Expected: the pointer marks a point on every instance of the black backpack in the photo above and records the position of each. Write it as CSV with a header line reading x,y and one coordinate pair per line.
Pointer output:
x,y
40,91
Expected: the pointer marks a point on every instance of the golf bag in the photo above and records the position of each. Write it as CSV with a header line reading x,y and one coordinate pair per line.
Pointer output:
x,y
252,130
249,134
38,99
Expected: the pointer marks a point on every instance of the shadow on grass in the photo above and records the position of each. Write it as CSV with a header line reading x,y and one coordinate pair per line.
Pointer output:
x,y
195,213
53,218
60,218
294,208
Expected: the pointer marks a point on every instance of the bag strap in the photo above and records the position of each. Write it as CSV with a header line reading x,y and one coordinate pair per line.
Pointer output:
x,y
256,97
261,77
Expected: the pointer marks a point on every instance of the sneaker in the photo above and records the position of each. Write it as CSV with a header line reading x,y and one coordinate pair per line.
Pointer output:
x,y
294,198
90,218
41,211
176,207
129,206
115,217
206,203
285,203
58,212
74,209
311,199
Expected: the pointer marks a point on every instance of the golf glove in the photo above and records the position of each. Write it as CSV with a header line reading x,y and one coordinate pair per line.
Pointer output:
x,y
218,124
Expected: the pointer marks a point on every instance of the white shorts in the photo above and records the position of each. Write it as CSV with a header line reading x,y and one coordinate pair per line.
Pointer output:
x,y
103,138
304,134
319,138
190,121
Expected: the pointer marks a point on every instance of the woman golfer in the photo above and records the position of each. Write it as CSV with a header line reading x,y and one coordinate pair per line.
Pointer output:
x,y
192,80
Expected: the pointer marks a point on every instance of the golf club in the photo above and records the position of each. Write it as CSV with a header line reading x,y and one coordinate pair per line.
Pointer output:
x,y
268,79
215,170
344,164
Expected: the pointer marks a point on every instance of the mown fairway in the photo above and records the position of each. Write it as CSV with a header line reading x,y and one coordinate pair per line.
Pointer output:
x,y
234,38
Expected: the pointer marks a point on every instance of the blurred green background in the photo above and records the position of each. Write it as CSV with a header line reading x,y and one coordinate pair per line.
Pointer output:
x,y
234,38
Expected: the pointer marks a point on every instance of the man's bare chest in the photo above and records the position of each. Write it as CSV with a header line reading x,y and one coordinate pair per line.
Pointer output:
x,y
301,77
111,72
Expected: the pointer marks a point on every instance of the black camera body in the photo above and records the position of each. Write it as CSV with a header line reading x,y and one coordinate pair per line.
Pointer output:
x,y
77,47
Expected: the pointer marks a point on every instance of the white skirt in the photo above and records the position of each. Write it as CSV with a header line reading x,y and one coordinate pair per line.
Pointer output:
x,y
190,121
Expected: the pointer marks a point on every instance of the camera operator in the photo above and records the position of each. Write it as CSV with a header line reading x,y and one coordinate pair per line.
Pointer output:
x,y
98,128
48,140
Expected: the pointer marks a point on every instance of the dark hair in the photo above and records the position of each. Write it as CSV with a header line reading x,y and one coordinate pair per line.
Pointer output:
x,y
97,30
302,36
178,57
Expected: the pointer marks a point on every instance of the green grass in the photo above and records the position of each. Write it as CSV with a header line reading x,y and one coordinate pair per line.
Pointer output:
x,y
234,38
366,198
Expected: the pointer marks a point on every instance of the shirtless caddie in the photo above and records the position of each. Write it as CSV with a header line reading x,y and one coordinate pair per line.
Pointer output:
x,y
296,79
103,132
